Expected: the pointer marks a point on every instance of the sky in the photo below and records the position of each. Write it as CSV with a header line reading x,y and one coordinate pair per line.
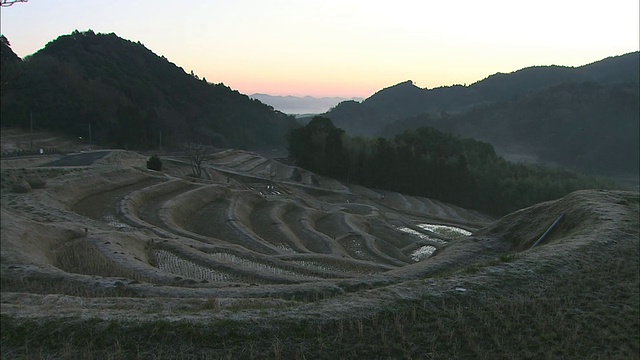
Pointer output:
x,y
347,48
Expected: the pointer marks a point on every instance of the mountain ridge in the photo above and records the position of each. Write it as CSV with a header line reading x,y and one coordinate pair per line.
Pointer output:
x,y
405,99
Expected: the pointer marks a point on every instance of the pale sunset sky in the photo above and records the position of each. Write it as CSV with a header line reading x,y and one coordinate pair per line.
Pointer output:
x,y
342,47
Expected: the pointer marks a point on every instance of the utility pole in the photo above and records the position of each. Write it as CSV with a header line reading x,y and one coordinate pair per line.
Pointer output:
x,y
31,130
160,141
89,136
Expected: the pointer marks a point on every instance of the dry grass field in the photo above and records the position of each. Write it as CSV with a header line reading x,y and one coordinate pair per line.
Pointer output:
x,y
104,259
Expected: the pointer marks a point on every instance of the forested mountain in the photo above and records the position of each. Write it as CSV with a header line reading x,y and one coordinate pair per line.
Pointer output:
x,y
130,96
405,99
10,64
7,56
590,127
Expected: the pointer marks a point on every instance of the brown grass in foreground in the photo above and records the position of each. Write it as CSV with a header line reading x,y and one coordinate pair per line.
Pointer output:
x,y
590,313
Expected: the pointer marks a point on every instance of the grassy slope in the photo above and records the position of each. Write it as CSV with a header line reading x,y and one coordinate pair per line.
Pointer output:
x,y
591,313
584,306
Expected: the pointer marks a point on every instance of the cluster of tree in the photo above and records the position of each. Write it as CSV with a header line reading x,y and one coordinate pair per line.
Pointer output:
x,y
430,163
131,97
154,163
318,147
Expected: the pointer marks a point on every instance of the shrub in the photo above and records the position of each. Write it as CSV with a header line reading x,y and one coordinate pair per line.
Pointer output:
x,y
21,187
296,175
37,182
154,163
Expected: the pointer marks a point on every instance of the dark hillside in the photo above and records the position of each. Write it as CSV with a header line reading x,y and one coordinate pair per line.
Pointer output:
x,y
391,96
6,54
10,65
502,86
130,95
613,69
586,126
405,99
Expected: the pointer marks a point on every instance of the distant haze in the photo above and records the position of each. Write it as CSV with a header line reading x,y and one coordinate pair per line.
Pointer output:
x,y
296,105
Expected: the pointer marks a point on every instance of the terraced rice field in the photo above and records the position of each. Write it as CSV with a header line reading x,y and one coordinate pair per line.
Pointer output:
x,y
111,246
257,225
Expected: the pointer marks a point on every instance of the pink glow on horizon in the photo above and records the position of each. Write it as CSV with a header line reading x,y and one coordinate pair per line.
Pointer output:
x,y
300,89
342,48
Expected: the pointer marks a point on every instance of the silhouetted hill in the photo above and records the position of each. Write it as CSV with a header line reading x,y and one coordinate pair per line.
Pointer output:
x,y
130,95
7,56
10,65
405,99
613,69
587,126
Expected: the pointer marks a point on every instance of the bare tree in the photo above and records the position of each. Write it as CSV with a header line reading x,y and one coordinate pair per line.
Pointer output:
x,y
196,153
7,3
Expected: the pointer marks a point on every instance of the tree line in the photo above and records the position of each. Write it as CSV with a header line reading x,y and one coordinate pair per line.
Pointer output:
x,y
434,164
